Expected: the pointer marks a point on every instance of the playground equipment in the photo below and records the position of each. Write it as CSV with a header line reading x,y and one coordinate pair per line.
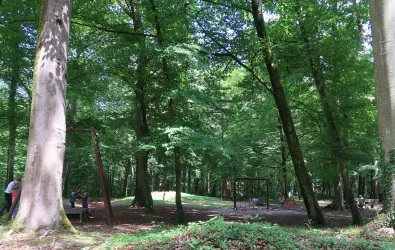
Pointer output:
x,y
246,191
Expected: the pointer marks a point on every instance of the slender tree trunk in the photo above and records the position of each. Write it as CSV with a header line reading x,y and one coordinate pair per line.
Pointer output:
x,y
12,124
42,185
339,202
310,201
360,183
166,78
333,131
189,178
375,179
382,17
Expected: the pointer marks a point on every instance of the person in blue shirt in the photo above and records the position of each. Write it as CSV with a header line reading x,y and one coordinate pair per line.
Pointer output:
x,y
85,199
73,196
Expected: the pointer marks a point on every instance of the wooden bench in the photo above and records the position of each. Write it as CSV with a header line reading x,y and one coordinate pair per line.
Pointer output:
x,y
360,202
370,202
83,212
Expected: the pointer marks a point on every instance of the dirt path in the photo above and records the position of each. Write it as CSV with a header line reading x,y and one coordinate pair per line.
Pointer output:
x,y
128,220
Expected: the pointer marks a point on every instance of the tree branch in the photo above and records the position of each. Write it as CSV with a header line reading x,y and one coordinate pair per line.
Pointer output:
x,y
230,54
113,31
230,5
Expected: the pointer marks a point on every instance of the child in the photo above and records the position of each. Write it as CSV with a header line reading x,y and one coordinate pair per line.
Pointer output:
x,y
14,194
282,199
73,196
85,203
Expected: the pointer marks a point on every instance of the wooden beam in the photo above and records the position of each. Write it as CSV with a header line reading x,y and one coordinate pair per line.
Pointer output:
x,y
100,170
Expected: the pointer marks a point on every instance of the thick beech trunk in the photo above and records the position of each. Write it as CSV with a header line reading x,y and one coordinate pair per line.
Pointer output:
x,y
382,17
143,191
310,201
42,185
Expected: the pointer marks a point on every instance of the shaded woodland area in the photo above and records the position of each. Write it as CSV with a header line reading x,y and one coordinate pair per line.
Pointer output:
x,y
186,95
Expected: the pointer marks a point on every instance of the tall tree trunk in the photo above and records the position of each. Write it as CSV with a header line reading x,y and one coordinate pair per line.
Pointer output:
x,y
42,186
334,136
313,210
143,191
382,17
12,123
166,78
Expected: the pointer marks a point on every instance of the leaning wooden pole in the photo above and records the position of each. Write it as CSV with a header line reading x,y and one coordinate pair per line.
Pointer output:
x,y
100,169
107,203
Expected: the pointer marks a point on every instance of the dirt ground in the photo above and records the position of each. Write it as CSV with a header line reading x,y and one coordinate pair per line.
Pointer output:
x,y
128,219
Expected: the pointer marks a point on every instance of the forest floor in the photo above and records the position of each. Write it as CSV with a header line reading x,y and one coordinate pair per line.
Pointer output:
x,y
128,220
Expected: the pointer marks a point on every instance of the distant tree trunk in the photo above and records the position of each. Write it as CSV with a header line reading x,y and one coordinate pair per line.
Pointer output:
x,y
360,185
189,178
339,202
375,180
42,186
127,169
313,210
184,177
382,17
208,190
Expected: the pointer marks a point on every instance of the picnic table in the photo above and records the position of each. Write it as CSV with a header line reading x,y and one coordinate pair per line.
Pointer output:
x,y
83,212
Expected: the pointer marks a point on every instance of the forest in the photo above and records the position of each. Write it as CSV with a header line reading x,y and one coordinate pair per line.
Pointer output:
x,y
132,100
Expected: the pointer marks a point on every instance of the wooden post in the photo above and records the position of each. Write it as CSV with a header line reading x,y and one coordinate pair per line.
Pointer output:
x,y
107,203
267,194
100,169
234,194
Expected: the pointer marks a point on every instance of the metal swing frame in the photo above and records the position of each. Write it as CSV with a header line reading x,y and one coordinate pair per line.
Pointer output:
x,y
236,179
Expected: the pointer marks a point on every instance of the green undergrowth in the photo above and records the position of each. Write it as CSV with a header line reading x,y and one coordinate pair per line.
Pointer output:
x,y
187,199
218,234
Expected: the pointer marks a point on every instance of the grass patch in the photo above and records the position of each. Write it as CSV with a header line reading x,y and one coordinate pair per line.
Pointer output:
x,y
187,199
216,233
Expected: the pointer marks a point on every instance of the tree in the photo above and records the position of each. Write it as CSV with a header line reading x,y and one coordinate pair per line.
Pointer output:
x,y
311,203
334,135
382,19
42,183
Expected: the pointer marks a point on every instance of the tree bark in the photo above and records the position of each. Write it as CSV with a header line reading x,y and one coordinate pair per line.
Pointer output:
x,y
313,210
382,17
42,186
311,203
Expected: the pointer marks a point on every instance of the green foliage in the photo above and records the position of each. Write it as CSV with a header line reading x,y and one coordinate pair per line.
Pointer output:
x,y
216,233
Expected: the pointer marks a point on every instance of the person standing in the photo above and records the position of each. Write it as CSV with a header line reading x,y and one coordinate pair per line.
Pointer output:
x,y
8,193
73,196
